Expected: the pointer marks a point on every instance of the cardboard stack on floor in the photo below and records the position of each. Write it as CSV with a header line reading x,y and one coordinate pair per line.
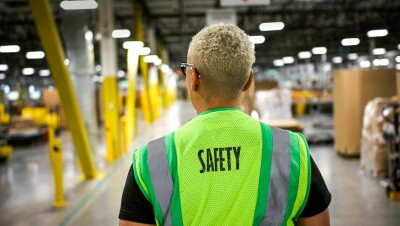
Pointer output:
x,y
352,91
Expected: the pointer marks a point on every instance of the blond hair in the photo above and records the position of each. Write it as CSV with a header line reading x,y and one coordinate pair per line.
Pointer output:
x,y
223,55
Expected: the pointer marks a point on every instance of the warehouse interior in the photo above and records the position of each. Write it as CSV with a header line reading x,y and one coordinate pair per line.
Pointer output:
x,y
84,83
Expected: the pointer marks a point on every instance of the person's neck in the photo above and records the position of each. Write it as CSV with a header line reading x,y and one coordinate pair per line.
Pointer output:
x,y
214,103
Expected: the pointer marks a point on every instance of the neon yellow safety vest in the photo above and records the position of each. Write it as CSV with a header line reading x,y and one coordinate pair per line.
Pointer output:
x,y
225,168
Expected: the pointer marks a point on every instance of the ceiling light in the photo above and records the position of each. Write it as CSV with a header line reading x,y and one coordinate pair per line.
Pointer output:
x,y
398,46
151,58
258,39
319,50
278,63
164,68
377,33
397,59
365,64
379,51
337,60
97,68
76,5
9,49
66,61
13,95
28,71
2,76
384,62
44,72
398,67
350,41
121,33
35,55
88,35
288,60
352,56
304,54
3,67
273,26
121,73
381,62
158,62
145,51
132,45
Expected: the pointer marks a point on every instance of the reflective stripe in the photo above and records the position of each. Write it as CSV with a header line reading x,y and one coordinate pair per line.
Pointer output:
x,y
161,176
279,176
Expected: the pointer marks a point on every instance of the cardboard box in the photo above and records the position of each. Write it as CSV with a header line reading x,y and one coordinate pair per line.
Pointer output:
x,y
352,90
52,101
398,83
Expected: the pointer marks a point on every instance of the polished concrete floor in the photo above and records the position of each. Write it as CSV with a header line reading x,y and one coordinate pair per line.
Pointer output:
x,y
26,183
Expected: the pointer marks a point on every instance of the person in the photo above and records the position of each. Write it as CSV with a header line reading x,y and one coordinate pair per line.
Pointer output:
x,y
223,167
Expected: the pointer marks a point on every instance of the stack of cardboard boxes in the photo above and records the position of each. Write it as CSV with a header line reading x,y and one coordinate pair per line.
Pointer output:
x,y
352,91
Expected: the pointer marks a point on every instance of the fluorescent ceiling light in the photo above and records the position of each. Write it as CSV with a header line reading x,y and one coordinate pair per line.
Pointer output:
x,y
35,55
319,50
384,62
2,76
164,68
377,33
88,35
44,72
9,49
278,63
398,46
352,56
66,61
28,71
76,5
145,51
273,26
381,62
397,59
337,60
398,67
379,51
365,64
151,59
121,33
13,95
304,55
121,73
288,60
132,45
257,39
98,68
350,41
158,62
3,67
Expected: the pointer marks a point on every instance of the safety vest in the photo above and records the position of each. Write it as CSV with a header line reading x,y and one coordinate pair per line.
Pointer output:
x,y
225,168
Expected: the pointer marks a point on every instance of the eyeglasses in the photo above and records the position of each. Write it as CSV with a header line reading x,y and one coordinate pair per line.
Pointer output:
x,y
184,65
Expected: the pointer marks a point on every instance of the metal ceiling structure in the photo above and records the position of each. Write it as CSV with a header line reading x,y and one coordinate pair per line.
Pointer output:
x,y
308,23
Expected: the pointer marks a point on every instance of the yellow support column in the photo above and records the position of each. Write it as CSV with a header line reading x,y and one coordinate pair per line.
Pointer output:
x,y
162,87
111,117
139,36
51,43
131,114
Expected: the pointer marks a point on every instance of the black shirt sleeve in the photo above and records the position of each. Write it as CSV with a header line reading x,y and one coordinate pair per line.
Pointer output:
x,y
134,205
136,208
319,197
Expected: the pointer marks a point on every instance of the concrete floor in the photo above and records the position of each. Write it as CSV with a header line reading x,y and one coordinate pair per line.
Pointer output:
x,y
26,183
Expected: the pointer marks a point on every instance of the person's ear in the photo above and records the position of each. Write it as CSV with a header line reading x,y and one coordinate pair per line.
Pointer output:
x,y
249,82
194,81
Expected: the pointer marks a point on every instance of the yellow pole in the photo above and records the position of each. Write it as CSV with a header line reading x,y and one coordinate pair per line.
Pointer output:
x,y
131,115
55,149
139,36
111,117
161,76
51,43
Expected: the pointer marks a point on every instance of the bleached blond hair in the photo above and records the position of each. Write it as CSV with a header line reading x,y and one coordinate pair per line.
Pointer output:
x,y
223,55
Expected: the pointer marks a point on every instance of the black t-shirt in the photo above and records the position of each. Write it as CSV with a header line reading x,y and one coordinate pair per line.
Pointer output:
x,y
136,208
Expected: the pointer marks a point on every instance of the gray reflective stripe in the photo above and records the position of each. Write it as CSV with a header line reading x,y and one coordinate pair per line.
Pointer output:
x,y
279,179
161,176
